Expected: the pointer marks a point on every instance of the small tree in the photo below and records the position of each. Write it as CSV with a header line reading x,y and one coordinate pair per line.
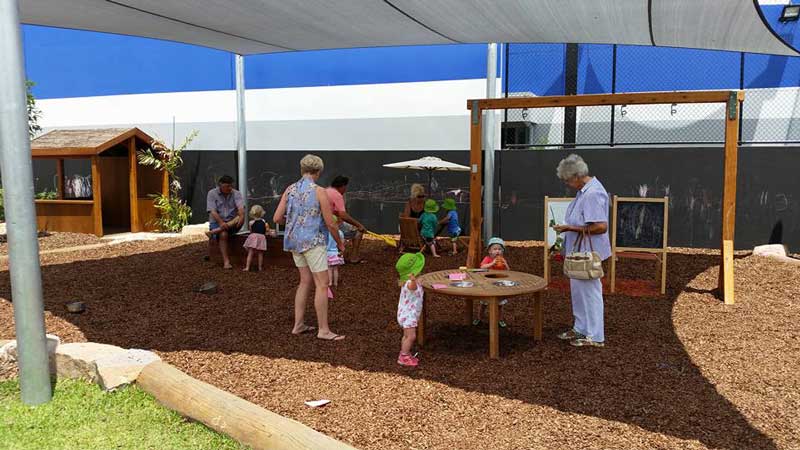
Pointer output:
x,y
34,113
173,213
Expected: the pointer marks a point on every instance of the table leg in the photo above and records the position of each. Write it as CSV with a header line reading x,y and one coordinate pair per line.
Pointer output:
x,y
494,329
421,324
537,316
468,307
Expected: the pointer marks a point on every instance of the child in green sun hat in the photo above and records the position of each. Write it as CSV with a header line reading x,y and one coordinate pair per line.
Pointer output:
x,y
429,223
409,307
451,220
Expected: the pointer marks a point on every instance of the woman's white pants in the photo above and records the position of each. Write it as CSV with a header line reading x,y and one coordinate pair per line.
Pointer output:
x,y
587,308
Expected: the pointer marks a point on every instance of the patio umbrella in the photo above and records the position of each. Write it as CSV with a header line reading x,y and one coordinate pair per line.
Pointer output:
x,y
429,163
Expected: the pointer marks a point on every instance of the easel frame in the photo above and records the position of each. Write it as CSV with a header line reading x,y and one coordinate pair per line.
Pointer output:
x,y
659,253
547,201
731,99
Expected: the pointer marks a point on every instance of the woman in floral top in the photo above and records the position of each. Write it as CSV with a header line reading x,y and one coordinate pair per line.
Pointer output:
x,y
306,211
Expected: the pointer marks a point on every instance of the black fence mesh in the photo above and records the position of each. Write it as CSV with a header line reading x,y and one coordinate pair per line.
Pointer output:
x,y
770,113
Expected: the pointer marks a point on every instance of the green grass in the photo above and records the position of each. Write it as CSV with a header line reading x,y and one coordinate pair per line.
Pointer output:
x,y
81,416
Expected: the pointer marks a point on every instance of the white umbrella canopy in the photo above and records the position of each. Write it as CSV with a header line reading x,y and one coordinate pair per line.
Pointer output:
x,y
429,163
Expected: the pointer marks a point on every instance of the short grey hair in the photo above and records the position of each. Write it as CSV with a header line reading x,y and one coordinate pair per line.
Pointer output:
x,y
572,166
311,164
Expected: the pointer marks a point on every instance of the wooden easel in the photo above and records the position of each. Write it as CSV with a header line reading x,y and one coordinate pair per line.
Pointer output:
x,y
654,254
547,201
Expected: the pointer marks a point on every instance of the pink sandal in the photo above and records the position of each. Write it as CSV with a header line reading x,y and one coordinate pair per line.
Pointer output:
x,y
407,360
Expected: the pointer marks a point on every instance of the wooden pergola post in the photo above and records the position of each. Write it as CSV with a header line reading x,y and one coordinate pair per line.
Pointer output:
x,y
731,99
475,185
133,186
732,123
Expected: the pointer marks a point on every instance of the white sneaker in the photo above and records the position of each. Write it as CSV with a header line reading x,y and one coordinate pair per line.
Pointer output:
x,y
586,342
570,335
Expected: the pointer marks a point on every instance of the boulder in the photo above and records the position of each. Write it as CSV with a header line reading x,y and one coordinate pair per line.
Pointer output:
x,y
778,250
122,368
8,349
77,360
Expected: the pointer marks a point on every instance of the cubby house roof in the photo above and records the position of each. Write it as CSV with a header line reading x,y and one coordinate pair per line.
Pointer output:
x,y
89,142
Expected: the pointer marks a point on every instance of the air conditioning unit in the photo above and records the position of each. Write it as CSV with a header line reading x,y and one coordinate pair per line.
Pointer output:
x,y
516,134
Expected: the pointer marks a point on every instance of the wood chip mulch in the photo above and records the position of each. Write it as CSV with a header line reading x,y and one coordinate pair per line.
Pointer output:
x,y
53,240
679,371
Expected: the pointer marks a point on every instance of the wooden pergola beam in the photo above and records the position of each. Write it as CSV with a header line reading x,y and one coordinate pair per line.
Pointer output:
x,y
643,98
731,99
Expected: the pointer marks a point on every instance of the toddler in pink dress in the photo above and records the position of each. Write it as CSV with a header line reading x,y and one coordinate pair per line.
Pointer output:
x,y
256,242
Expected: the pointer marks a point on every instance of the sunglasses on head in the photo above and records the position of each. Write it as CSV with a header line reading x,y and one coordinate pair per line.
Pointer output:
x,y
421,196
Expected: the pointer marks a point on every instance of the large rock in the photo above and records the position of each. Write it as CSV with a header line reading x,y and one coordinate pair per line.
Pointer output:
x,y
77,360
775,250
122,368
8,349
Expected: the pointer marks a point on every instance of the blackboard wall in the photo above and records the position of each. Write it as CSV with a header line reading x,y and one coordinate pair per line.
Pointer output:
x,y
768,193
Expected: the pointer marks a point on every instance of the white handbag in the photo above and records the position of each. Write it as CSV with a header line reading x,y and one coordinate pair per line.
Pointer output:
x,y
580,265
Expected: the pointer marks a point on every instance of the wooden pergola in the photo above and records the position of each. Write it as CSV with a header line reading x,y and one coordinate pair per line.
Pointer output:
x,y
732,100
120,186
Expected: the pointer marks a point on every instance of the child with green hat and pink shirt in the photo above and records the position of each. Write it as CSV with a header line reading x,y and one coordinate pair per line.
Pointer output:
x,y
409,307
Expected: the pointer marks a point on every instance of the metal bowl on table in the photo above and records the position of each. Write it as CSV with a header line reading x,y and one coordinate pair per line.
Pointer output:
x,y
506,283
462,284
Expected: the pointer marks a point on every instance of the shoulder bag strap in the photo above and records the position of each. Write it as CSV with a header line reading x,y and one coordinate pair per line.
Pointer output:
x,y
576,246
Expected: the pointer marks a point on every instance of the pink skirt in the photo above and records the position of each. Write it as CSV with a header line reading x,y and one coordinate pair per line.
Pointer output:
x,y
335,260
256,241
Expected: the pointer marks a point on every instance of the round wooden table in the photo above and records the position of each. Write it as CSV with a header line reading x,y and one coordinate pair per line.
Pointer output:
x,y
484,288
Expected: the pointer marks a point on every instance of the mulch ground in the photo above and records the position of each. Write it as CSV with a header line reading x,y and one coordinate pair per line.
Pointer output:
x,y
52,241
679,371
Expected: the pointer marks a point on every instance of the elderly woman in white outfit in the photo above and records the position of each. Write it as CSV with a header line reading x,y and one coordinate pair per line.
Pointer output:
x,y
587,213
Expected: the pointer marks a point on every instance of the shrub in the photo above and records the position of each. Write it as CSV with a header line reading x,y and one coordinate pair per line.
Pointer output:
x,y
173,213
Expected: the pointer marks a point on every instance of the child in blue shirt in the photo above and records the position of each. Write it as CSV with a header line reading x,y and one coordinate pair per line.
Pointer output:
x,y
451,220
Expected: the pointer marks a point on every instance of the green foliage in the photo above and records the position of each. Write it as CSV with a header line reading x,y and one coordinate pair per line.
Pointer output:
x,y
34,113
558,245
173,213
46,195
81,416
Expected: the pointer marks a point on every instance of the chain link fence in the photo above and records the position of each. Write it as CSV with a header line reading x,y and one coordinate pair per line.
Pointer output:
x,y
770,113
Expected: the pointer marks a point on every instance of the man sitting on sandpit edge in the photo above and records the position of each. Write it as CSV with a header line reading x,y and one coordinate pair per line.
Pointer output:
x,y
225,206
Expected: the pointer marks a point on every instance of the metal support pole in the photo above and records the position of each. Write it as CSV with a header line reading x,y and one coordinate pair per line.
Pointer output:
x,y
20,211
241,134
489,136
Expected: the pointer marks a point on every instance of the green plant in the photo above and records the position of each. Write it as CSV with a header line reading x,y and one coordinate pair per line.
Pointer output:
x,y
558,245
34,113
173,213
46,195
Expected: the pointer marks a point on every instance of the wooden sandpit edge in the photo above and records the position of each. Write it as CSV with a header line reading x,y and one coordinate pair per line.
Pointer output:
x,y
226,413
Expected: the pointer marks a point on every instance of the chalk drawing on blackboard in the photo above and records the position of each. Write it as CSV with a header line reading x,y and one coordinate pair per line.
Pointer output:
x,y
639,230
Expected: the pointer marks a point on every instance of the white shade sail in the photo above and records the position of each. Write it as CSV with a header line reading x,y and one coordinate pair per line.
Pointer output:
x,y
428,163
265,26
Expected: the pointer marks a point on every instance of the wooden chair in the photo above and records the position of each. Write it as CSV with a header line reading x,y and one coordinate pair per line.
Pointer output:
x,y
410,239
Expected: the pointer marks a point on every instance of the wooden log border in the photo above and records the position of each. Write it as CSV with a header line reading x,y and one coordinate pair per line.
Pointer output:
x,y
226,413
